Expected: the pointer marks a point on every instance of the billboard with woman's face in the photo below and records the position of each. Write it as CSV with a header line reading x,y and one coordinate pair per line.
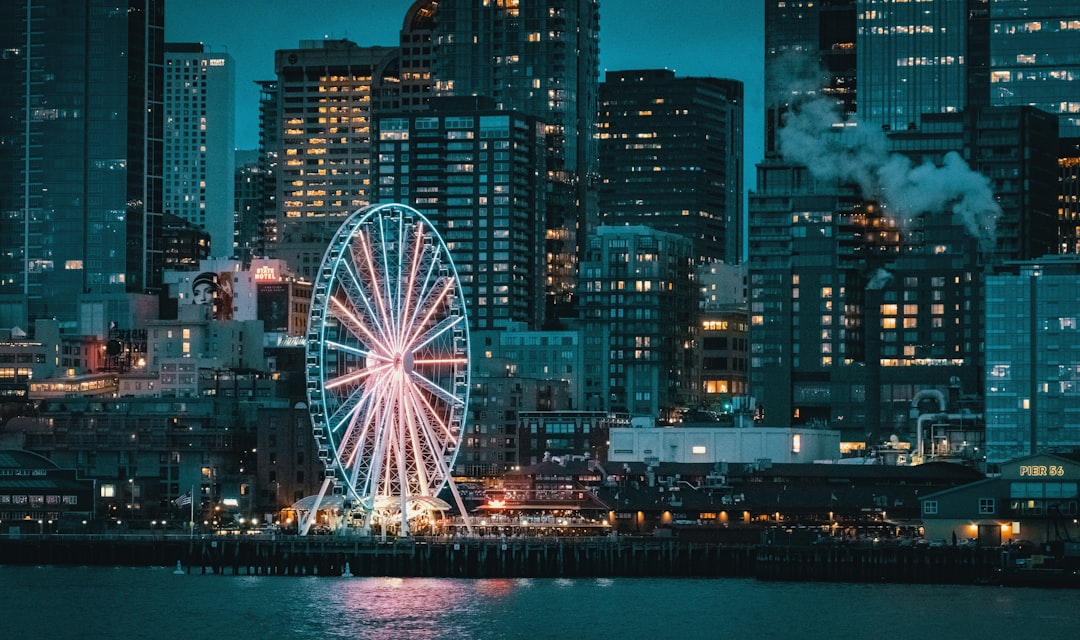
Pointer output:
x,y
215,289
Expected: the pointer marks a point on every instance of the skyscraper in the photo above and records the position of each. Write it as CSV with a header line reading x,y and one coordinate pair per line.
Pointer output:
x,y
324,100
671,157
81,125
867,266
911,60
477,173
540,58
809,47
1033,58
639,298
199,141
1032,62
1032,358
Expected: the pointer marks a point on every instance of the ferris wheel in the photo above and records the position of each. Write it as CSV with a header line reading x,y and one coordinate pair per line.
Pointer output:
x,y
387,367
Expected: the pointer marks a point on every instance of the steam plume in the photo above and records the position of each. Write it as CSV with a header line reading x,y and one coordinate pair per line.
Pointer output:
x,y
816,134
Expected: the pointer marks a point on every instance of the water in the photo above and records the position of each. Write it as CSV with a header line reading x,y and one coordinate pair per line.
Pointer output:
x,y
153,603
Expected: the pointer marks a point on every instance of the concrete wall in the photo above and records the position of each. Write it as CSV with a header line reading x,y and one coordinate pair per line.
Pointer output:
x,y
722,444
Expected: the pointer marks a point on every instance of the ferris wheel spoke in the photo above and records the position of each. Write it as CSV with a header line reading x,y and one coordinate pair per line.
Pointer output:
x,y
357,376
391,276
377,285
348,442
352,445
422,434
429,283
444,325
355,401
425,440
437,451
437,417
433,304
356,351
443,394
407,305
351,322
354,290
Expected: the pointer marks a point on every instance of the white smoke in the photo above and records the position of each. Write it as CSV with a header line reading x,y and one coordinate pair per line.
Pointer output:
x,y
880,278
816,134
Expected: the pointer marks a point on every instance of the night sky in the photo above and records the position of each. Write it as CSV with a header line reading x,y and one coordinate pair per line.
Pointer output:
x,y
717,38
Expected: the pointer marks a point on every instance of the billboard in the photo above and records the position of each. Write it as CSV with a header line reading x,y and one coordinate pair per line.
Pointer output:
x,y
272,306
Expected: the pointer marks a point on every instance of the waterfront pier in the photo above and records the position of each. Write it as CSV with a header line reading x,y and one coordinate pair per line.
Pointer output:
x,y
476,557
518,557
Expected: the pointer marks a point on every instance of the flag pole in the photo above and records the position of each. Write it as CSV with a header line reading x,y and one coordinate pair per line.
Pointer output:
x,y
191,522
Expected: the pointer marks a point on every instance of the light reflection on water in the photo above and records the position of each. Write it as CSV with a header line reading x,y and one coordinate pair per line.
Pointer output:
x,y
54,602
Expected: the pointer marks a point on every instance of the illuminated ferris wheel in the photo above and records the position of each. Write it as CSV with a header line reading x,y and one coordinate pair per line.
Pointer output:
x,y
387,367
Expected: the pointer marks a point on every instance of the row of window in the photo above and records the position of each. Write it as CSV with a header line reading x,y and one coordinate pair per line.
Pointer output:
x,y
37,500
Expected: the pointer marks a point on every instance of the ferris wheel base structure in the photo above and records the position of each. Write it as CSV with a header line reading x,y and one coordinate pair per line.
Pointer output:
x,y
387,373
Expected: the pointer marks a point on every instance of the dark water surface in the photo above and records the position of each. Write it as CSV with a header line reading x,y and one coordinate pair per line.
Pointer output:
x,y
123,603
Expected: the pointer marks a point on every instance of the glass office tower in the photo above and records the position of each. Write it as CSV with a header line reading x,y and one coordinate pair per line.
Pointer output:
x,y
81,159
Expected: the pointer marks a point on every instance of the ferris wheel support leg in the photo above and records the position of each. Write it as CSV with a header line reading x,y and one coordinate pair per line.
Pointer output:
x,y
460,505
307,521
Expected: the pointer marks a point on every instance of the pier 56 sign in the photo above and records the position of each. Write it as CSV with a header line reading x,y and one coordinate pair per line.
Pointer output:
x,y
1042,471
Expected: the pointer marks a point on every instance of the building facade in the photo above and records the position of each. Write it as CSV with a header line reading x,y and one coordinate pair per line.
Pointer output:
x,y
200,108
476,172
323,100
542,59
565,435
911,60
543,355
671,157
707,444
850,315
809,47
81,192
638,293
1032,367
1034,499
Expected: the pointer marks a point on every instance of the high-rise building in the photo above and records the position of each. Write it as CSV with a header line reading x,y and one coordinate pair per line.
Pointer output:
x,y
540,58
671,157
911,60
1015,149
200,89
1032,58
249,192
81,120
270,133
849,318
1032,358
638,295
866,266
477,173
1032,63
809,47
415,43
722,337
323,103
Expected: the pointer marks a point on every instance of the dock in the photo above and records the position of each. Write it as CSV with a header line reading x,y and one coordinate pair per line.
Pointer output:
x,y
517,557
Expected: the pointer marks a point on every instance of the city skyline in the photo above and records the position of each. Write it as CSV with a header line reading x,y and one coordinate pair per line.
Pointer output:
x,y
691,48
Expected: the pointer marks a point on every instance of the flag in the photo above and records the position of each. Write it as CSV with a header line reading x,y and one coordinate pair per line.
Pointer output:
x,y
183,500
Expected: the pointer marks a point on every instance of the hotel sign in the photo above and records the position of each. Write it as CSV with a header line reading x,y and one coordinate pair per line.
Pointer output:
x,y
265,273
1042,471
